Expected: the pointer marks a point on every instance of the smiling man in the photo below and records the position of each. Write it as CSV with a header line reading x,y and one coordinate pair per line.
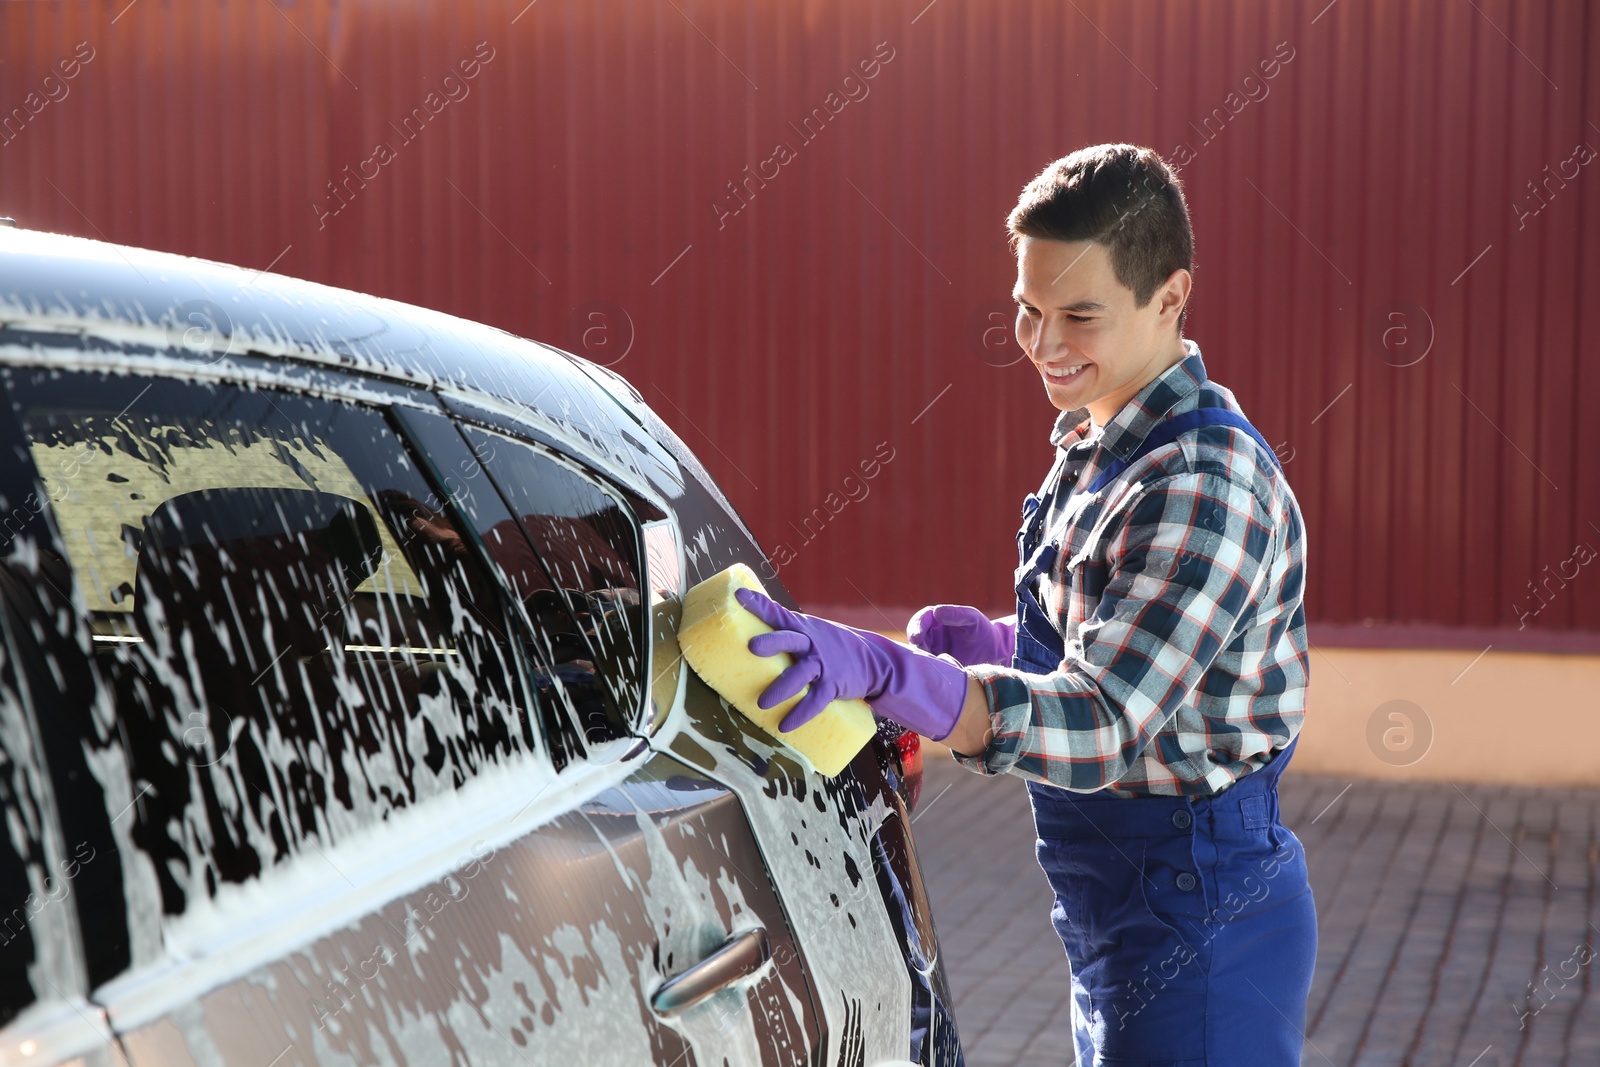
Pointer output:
x,y
1153,681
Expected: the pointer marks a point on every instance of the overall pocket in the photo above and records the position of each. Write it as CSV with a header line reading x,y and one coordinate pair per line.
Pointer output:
x,y
1066,914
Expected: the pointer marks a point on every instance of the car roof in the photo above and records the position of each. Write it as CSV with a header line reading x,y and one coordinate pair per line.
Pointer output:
x,y
135,294
157,305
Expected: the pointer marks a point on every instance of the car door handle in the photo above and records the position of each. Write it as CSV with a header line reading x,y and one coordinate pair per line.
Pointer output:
x,y
740,956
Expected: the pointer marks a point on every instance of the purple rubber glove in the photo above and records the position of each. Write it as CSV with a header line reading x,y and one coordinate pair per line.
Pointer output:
x,y
917,690
965,633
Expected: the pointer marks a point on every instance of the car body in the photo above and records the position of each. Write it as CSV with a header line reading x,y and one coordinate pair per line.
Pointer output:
x,y
343,720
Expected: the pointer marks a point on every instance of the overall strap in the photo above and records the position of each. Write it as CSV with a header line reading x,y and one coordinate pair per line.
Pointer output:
x,y
1170,429
1035,506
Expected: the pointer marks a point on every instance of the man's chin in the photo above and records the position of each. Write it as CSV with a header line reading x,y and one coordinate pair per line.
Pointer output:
x,y
1068,399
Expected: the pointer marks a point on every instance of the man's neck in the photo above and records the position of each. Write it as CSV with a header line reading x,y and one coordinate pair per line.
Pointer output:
x,y
1104,410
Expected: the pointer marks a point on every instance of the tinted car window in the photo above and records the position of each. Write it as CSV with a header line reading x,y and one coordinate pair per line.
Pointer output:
x,y
590,548
586,697
296,634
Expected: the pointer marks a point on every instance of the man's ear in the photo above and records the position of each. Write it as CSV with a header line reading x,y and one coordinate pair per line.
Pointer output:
x,y
1173,296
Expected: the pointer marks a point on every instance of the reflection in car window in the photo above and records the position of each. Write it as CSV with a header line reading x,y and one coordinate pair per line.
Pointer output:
x,y
585,599
297,643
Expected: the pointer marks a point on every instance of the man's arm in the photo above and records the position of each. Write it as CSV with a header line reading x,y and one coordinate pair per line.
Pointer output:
x,y
1186,565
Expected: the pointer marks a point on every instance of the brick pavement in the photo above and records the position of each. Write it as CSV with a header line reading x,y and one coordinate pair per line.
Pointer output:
x,y
1454,922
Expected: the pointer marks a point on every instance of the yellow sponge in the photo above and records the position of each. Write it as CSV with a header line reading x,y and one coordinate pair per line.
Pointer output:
x,y
715,635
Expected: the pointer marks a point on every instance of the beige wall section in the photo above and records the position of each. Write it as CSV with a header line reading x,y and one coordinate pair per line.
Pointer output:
x,y
1513,717
1518,718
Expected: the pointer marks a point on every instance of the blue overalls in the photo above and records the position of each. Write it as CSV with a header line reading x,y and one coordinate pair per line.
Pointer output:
x,y
1188,921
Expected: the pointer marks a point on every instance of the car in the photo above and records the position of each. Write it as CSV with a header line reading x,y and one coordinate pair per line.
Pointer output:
x,y
342,718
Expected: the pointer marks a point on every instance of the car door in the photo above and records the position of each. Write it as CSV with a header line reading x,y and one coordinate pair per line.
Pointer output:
x,y
331,720
614,558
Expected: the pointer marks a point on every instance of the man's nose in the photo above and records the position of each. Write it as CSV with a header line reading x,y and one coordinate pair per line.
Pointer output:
x,y
1044,342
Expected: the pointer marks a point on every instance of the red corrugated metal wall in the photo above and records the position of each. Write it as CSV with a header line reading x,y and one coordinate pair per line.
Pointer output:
x,y
832,308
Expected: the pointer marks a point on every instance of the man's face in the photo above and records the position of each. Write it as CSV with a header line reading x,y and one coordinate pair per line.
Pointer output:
x,y
1081,329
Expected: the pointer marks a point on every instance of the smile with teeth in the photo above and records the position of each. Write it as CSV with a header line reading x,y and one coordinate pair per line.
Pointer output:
x,y
1061,374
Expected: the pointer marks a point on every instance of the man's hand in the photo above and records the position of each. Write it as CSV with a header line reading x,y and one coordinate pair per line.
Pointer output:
x,y
919,691
965,633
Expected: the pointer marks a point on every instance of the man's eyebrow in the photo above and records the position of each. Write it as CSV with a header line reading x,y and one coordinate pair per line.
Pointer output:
x,y
1081,305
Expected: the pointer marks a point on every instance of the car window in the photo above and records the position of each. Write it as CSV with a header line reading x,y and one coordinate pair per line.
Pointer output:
x,y
592,698
590,547
297,637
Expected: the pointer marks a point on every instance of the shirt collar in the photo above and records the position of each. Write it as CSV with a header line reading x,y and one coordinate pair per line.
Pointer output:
x,y
1130,426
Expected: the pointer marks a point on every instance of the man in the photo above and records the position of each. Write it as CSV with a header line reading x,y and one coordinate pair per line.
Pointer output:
x,y
1153,681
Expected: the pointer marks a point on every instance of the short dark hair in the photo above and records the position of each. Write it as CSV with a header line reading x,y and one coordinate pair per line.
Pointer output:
x,y
1122,196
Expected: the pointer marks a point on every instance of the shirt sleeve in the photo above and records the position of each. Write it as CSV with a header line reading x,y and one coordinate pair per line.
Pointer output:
x,y
1182,572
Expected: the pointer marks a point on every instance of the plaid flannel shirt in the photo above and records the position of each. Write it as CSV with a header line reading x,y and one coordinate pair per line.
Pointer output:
x,y
1178,592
